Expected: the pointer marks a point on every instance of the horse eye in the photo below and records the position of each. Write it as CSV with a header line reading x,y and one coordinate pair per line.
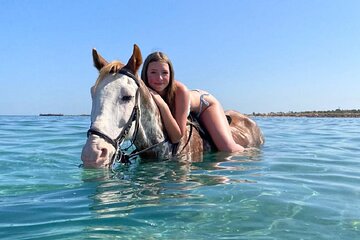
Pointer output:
x,y
126,98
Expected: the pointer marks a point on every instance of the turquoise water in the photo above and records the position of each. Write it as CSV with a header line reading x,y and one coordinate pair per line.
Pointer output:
x,y
304,183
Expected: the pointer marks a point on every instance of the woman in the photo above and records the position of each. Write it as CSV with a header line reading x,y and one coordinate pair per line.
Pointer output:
x,y
175,102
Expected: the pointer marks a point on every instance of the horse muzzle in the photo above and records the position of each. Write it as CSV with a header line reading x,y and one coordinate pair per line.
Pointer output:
x,y
97,153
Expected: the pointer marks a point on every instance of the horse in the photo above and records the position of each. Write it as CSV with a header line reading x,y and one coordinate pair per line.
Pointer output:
x,y
124,110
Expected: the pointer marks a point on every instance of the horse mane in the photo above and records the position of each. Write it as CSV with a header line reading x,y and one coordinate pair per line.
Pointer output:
x,y
112,67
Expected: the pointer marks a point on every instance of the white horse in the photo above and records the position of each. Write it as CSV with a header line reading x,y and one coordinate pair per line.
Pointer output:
x,y
123,109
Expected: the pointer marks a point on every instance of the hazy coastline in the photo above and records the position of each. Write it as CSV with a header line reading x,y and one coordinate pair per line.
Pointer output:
x,y
339,113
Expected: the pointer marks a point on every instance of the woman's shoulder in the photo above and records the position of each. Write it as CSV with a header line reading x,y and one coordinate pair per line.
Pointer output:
x,y
182,91
180,86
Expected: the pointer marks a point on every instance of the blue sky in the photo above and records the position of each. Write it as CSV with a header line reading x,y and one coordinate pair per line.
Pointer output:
x,y
253,55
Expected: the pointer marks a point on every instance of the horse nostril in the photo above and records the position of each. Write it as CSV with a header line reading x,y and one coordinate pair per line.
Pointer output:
x,y
104,152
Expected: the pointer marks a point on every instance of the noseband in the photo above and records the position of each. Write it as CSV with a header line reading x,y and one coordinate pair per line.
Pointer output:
x,y
119,155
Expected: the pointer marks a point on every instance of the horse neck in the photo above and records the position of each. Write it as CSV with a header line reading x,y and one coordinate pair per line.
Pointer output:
x,y
151,129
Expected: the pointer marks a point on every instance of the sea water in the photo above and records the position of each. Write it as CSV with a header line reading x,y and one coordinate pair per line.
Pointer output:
x,y
304,183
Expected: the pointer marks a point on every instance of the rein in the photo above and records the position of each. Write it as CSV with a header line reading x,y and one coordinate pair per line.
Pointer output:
x,y
120,156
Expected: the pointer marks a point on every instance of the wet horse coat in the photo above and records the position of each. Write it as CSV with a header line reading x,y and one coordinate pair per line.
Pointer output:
x,y
123,109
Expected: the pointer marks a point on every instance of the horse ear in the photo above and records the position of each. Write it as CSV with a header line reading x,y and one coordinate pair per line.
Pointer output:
x,y
99,61
135,61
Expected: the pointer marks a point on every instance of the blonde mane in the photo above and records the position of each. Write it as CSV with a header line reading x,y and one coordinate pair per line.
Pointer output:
x,y
112,67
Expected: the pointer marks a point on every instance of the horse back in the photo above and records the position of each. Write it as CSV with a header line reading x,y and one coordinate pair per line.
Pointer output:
x,y
244,130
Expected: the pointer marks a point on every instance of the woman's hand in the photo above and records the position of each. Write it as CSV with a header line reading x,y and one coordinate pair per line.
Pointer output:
x,y
157,98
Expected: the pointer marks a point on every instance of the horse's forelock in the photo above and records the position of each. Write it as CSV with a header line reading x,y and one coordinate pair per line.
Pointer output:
x,y
114,67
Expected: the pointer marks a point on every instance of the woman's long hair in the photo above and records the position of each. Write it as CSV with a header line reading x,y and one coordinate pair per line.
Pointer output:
x,y
171,88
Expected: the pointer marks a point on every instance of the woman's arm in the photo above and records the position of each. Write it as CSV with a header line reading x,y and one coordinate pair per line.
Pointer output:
x,y
182,106
174,126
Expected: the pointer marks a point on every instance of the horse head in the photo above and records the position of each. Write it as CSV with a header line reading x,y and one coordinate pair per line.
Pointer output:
x,y
116,110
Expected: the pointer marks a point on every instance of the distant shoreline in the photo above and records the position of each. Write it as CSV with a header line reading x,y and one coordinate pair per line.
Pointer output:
x,y
338,113
61,115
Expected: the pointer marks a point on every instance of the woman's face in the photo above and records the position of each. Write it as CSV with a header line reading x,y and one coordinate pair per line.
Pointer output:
x,y
158,74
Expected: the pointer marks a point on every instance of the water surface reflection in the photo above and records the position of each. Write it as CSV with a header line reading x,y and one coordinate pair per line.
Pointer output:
x,y
160,185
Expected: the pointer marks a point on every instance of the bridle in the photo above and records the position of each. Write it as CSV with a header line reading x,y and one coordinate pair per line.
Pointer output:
x,y
119,155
